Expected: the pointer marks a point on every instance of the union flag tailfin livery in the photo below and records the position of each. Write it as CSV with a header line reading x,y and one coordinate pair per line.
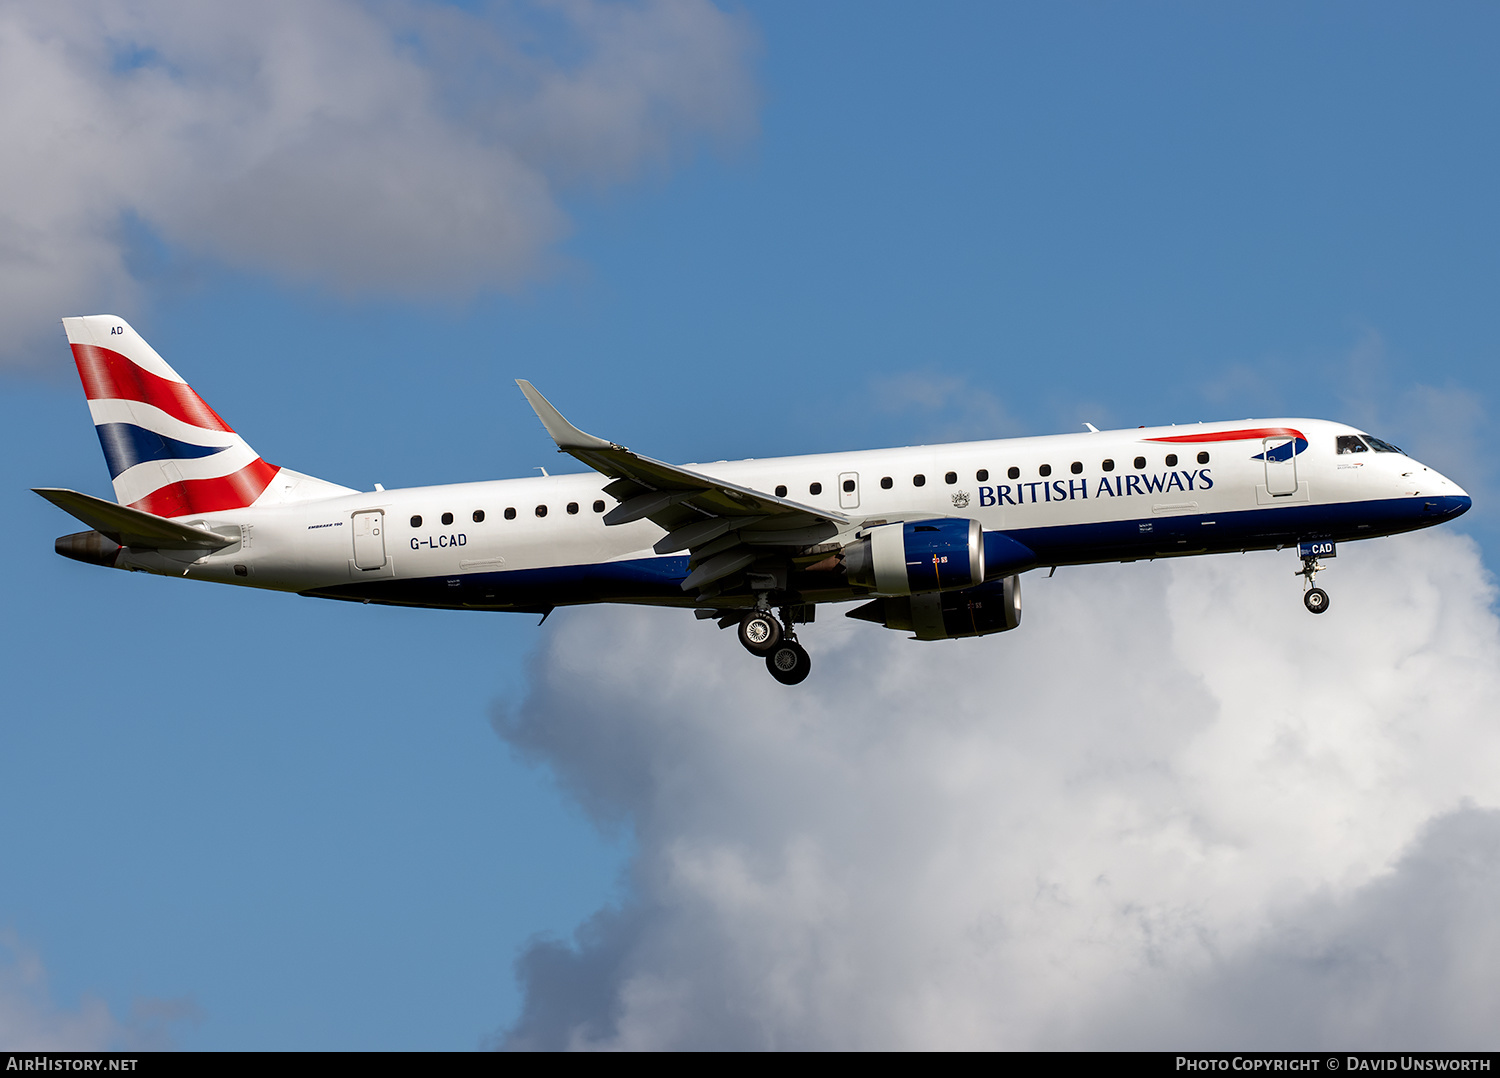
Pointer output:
x,y
931,540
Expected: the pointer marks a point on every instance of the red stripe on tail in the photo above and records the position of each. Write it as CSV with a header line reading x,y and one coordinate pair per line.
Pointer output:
x,y
210,495
107,375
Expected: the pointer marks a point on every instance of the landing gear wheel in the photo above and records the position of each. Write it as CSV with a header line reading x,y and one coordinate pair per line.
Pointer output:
x,y
789,663
759,632
1316,600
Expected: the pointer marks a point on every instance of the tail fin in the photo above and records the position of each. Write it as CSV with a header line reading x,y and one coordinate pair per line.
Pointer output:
x,y
168,452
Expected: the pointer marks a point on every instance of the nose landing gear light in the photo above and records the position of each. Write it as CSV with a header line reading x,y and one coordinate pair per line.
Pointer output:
x,y
1314,598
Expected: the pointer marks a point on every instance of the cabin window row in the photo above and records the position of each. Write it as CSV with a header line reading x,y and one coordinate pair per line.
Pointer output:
x,y
510,513
983,474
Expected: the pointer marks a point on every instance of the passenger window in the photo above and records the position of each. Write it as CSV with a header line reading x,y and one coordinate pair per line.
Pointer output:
x,y
599,507
781,491
919,480
815,488
1108,465
848,486
1203,458
447,518
416,522
886,483
541,510
1350,443
982,476
479,516
510,513
1077,467
1014,473
1171,460
572,509
1044,471
950,478
1140,462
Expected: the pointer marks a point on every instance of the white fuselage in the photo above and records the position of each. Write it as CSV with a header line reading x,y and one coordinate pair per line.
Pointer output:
x,y
1054,493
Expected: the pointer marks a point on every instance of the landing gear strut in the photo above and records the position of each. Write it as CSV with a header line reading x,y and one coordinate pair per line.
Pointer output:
x,y
788,661
1314,598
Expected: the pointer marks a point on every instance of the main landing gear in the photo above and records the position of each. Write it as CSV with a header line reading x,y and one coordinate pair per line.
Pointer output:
x,y
1314,598
763,635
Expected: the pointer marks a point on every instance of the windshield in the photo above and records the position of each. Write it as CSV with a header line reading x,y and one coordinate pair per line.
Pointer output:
x,y
1381,447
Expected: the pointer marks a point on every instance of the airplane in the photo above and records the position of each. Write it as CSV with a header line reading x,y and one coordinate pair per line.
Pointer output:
x,y
931,540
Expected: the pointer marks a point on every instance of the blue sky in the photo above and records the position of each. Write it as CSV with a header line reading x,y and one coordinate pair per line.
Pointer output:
x,y
242,820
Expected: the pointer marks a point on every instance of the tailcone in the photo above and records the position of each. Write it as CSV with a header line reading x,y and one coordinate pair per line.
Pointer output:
x,y
90,547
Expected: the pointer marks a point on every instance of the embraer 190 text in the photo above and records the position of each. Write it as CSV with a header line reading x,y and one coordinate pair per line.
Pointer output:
x,y
932,539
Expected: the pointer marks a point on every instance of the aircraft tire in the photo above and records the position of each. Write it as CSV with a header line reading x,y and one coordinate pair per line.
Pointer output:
x,y
1316,600
789,663
759,632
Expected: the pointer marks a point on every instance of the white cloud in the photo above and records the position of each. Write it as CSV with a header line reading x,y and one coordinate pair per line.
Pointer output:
x,y
31,1021
1172,809
947,407
397,149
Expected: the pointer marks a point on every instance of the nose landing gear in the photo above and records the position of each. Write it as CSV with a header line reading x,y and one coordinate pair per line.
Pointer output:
x,y
1314,598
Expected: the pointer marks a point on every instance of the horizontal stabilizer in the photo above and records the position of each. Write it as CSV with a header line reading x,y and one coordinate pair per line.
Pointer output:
x,y
132,527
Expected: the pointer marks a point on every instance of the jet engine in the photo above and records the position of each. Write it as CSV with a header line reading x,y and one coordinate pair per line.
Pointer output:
x,y
989,608
945,554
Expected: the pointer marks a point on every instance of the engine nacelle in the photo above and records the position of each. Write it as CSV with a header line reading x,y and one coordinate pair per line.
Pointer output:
x,y
990,608
911,557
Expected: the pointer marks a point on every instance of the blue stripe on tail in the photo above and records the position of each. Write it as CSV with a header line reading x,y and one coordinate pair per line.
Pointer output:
x,y
126,445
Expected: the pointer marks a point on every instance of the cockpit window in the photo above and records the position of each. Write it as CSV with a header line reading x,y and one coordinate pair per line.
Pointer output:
x,y
1381,447
1350,443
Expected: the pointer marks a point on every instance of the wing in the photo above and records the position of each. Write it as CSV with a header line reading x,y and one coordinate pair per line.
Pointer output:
x,y
727,530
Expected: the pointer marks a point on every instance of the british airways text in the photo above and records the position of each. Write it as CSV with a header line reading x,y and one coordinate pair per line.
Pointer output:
x,y
1109,486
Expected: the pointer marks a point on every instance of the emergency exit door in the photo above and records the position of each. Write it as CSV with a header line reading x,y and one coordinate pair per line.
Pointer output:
x,y
849,490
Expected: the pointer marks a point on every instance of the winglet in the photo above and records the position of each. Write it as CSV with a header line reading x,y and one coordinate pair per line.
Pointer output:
x,y
563,433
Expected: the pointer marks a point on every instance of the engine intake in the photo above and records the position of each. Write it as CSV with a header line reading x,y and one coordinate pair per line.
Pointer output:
x,y
917,556
990,608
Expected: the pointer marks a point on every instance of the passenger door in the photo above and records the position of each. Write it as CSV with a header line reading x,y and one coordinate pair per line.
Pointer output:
x,y
369,539
1281,465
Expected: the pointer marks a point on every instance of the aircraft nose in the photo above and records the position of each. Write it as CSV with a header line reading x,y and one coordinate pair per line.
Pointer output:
x,y
1451,500
1455,505
1443,499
